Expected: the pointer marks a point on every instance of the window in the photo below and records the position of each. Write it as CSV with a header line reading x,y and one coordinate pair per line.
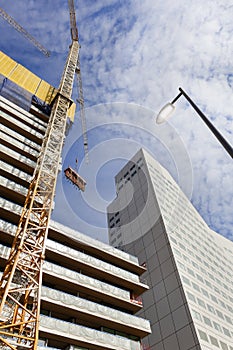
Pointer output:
x,y
203,335
190,252
226,331
220,314
223,345
216,290
185,280
222,304
211,276
175,250
181,245
186,258
207,321
208,283
199,278
213,298
132,167
205,293
196,287
191,272
181,265
196,315
191,297
217,326
210,308
228,319
201,302
214,341
173,240
202,270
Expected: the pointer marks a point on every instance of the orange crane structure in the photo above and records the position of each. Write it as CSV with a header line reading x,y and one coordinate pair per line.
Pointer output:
x,y
20,286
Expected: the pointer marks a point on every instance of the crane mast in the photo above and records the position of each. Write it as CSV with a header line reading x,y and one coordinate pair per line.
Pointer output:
x,y
20,286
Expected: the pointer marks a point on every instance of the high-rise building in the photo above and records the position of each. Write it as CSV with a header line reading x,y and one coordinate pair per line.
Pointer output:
x,y
189,266
90,290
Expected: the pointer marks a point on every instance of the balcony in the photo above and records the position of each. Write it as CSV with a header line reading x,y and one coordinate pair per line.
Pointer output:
x,y
74,282
20,138
73,238
17,160
93,267
76,335
23,129
87,311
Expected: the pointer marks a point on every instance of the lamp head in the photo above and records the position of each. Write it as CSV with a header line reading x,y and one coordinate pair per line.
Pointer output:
x,y
165,113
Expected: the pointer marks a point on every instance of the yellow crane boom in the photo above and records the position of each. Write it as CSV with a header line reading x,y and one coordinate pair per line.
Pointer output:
x,y
10,20
20,286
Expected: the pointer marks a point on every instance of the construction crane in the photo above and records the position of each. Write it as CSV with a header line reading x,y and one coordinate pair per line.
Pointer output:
x,y
20,286
21,30
74,36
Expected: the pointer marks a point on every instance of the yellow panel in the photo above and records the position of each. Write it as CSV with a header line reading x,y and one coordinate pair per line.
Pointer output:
x,y
71,111
46,92
6,64
30,82
24,78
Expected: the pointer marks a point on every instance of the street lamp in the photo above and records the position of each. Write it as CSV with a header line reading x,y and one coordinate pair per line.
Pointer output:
x,y
168,109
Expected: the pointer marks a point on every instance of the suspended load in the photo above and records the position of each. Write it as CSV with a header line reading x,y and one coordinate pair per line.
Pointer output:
x,y
75,178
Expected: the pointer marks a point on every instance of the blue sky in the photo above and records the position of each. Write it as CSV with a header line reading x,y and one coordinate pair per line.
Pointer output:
x,y
134,56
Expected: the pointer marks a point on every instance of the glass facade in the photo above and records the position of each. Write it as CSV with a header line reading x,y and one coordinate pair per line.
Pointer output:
x,y
189,268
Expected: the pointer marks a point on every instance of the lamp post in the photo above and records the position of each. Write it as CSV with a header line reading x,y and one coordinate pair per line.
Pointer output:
x,y
167,110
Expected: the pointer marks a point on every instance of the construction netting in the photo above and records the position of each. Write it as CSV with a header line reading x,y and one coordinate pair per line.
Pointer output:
x,y
85,281
77,278
86,335
91,261
94,309
80,237
15,93
21,86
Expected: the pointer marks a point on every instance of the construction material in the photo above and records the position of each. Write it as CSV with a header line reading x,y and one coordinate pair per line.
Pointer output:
x,y
75,178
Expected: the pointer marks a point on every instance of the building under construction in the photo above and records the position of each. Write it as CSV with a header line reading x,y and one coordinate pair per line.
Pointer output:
x,y
85,294
90,291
